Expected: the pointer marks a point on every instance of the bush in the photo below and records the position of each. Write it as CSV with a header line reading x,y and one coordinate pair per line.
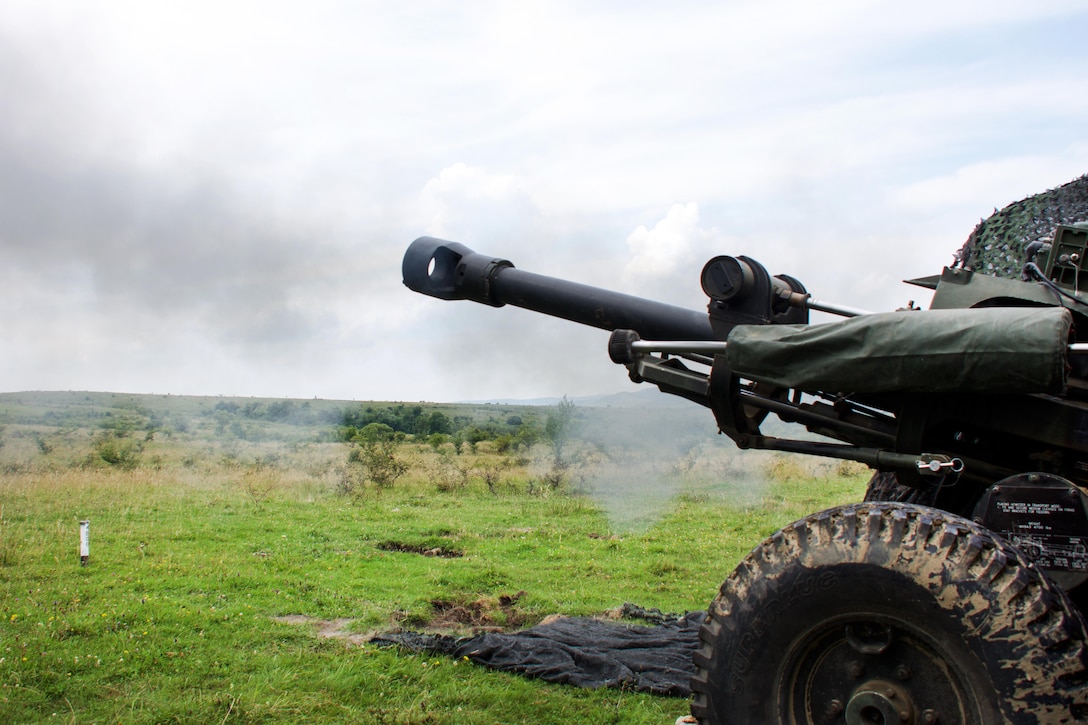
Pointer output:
x,y
559,427
373,461
437,440
448,474
491,473
116,450
373,433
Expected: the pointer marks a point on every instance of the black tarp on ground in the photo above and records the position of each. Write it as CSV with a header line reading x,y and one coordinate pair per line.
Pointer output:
x,y
579,651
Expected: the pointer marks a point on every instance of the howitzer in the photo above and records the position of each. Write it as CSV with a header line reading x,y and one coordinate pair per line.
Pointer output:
x,y
949,596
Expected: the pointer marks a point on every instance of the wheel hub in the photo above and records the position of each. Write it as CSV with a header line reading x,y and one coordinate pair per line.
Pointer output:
x,y
871,670
878,702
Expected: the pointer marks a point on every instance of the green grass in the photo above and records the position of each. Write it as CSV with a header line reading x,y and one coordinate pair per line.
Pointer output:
x,y
196,554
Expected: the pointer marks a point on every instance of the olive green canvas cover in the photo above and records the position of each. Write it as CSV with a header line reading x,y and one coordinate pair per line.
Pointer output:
x,y
988,350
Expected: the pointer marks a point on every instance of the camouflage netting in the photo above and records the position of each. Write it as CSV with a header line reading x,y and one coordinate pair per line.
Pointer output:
x,y
996,246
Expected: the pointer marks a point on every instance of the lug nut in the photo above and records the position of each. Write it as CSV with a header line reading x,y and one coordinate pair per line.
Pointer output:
x,y
903,672
834,708
929,717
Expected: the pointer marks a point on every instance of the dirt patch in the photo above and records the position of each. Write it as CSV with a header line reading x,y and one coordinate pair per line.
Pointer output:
x,y
421,549
485,614
326,628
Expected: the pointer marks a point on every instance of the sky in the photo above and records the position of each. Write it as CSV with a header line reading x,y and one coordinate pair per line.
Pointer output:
x,y
213,198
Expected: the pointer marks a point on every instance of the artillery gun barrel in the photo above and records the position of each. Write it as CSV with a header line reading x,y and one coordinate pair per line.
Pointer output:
x,y
834,309
452,271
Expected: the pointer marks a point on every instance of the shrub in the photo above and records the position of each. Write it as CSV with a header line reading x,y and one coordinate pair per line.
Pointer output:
x,y
373,433
116,450
437,440
559,428
448,474
373,461
491,473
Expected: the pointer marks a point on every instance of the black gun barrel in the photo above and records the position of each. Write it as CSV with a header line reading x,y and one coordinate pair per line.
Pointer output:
x,y
452,271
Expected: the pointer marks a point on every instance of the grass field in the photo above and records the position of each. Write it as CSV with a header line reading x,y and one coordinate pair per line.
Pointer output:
x,y
219,552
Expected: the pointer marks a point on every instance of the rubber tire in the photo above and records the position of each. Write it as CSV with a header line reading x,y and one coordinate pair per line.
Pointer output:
x,y
1010,633
885,486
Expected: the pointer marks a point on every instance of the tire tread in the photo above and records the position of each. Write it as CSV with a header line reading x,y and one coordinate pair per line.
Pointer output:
x,y
1051,632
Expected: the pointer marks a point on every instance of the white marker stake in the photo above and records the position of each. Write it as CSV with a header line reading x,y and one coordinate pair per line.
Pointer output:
x,y
84,542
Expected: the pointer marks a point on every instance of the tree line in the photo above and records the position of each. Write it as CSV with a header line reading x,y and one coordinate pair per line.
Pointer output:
x,y
435,427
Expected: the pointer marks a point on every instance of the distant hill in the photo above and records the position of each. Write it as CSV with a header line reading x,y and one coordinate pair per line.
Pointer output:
x,y
35,425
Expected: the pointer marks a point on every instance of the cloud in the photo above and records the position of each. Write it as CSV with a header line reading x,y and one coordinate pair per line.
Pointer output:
x,y
465,203
216,198
989,183
665,262
658,252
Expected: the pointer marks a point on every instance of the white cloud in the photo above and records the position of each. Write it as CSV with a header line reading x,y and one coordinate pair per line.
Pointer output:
x,y
252,172
461,193
657,254
988,184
